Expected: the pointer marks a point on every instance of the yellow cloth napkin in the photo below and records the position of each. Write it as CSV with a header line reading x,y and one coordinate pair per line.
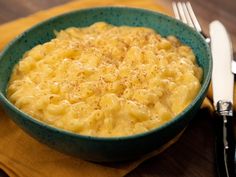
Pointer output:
x,y
21,155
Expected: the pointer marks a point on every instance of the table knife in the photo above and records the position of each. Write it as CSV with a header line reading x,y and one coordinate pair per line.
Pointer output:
x,y
222,84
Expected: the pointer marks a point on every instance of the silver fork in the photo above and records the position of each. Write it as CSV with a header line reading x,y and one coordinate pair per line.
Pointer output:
x,y
184,12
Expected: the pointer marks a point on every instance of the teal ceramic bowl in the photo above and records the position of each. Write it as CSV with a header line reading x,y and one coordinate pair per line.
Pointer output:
x,y
94,148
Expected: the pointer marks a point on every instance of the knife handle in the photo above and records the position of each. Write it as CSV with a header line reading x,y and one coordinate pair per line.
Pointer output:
x,y
225,146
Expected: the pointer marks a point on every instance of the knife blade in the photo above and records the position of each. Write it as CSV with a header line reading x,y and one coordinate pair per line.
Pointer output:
x,y
222,84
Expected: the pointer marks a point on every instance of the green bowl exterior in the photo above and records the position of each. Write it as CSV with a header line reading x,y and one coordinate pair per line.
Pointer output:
x,y
102,149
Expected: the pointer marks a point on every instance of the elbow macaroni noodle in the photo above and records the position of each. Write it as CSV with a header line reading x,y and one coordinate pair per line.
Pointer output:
x,y
104,80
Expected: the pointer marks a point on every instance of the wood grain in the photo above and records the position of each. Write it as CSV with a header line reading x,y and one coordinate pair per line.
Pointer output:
x,y
22,24
12,9
206,11
193,154
225,11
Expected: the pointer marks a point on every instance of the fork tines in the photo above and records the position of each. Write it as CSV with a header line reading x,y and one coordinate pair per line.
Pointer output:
x,y
183,11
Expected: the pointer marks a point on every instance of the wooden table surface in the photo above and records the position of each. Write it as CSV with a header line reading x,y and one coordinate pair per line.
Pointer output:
x,y
193,154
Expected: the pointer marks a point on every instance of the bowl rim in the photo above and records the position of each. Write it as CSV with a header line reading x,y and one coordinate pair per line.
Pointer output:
x,y
175,119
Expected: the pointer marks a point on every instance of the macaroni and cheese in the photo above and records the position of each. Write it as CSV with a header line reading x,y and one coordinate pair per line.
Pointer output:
x,y
105,80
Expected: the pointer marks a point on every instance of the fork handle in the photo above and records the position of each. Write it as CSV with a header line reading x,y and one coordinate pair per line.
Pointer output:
x,y
225,146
